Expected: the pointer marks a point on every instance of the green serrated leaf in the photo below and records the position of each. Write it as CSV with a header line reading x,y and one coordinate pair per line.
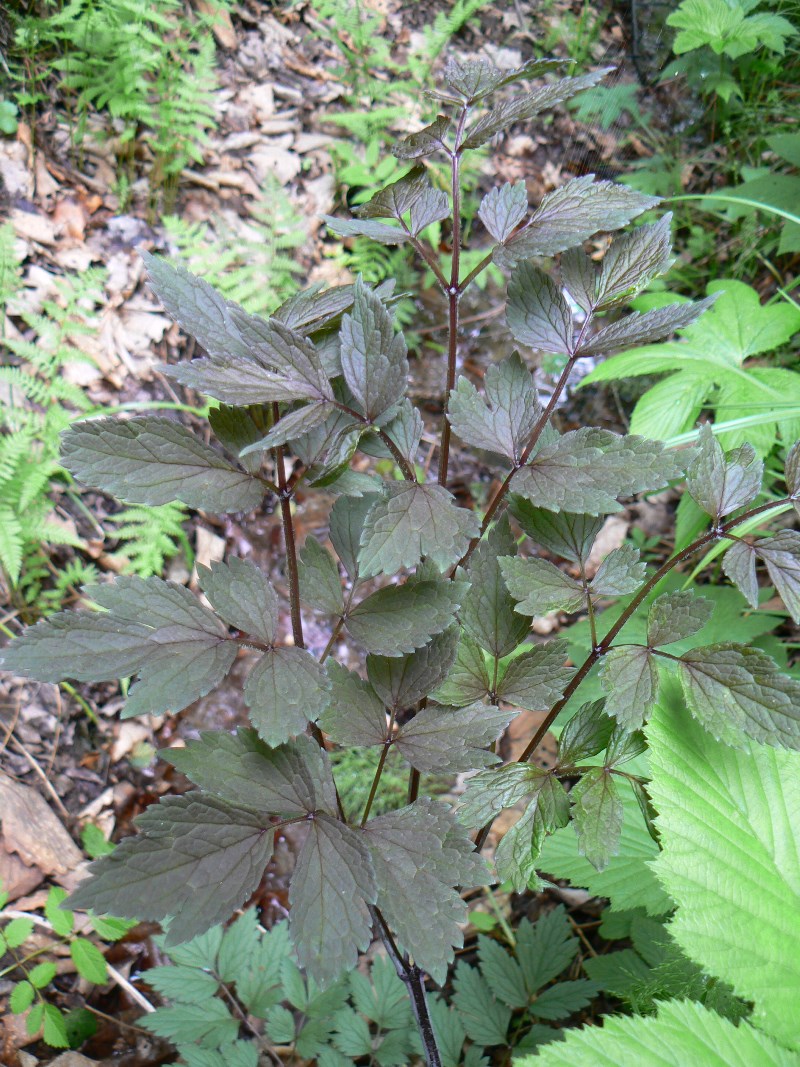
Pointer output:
x,y
629,676
452,739
320,584
425,142
400,681
373,356
209,1024
484,1018
468,680
502,973
781,554
722,482
402,618
42,975
22,996
55,1027
536,679
597,816
285,691
240,594
620,572
586,733
17,932
487,610
355,715
185,985
739,564
505,419
537,313
89,960
563,533
503,209
539,586
564,998
518,852
676,616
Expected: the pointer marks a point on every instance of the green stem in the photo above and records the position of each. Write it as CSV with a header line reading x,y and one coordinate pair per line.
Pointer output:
x,y
376,779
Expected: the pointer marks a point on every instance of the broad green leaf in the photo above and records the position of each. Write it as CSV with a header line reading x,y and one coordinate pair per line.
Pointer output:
x,y
585,734
89,960
527,106
681,1033
487,610
781,554
240,594
185,985
400,681
410,521
537,313
42,974
452,739
488,792
517,854
629,676
571,214
17,932
721,482
401,618
586,471
55,1027
676,616
539,586
373,356
421,855
727,820
503,209
502,973
355,715
297,423
332,885
425,142
503,422
346,527
735,691
545,948
320,584
196,859
727,28
285,690
564,999
597,817
258,981
620,572
631,262
210,1024
158,629
22,996
485,1018
475,79
394,200
468,679
153,460
563,533
298,362
627,880
240,769
432,206
536,679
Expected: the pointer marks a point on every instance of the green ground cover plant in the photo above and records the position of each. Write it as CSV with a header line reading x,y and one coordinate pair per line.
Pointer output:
x,y
673,787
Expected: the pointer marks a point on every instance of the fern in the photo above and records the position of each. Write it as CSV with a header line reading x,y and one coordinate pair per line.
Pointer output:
x,y
149,536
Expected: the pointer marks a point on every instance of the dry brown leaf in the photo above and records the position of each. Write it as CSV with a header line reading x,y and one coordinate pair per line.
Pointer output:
x,y
33,831
16,877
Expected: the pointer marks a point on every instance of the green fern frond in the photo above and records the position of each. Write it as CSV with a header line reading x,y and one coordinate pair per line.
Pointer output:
x,y
150,536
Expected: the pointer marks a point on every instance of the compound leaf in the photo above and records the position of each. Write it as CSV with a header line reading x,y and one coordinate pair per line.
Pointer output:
x,y
620,572
373,356
587,733
332,885
536,312
240,769
400,681
468,680
401,618
421,854
536,679
410,521
503,209
502,422
720,482
676,616
563,533
452,739
355,714
539,586
518,852
597,816
488,792
781,554
629,676
241,594
734,690
153,460
320,584
285,691
487,611
196,860
484,1017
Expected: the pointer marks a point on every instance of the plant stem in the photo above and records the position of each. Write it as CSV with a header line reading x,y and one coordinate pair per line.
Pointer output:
x,y
375,781
291,548
399,458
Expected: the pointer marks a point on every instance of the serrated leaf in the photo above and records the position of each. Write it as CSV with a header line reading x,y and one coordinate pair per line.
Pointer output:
x,y
401,618
597,816
629,676
781,554
502,422
586,470
235,429
332,885
475,79
376,231
564,998
400,681
295,424
521,108
682,1032
373,356
320,584
518,852
727,823
158,629
186,985
537,314
410,521
42,974
539,586
631,262
421,854
620,572
394,200
792,474
109,928
352,1034
502,973
503,209
258,978
424,142
432,206
641,329
89,960
485,1018
240,594
487,610
55,1027
196,860
22,996
676,616
488,792
346,527
468,679
35,1018
721,482
585,734
285,691
623,746
240,769
570,215
355,714
405,429
452,739
536,679
153,460
733,690
563,533
17,932
209,1024
739,564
